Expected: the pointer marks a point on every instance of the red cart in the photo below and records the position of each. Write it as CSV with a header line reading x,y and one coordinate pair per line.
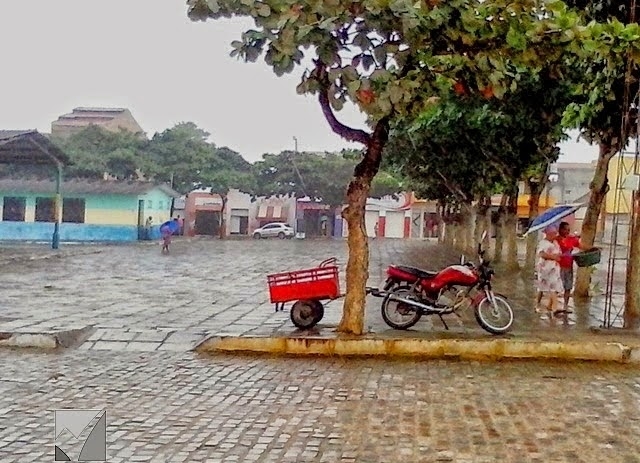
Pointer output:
x,y
308,288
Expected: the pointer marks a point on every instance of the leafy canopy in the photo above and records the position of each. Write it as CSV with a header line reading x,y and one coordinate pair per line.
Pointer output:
x,y
391,56
464,148
320,176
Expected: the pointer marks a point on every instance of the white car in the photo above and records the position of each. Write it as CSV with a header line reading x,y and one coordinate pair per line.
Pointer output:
x,y
273,230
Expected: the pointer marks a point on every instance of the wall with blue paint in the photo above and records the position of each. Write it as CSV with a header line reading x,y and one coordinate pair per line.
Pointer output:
x,y
43,231
108,218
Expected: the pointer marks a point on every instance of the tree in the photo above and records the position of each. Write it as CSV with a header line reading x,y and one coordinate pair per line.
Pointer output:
x,y
389,59
604,115
467,148
95,152
181,156
227,170
320,176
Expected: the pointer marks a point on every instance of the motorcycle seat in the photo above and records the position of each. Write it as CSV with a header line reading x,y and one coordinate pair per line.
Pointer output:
x,y
418,272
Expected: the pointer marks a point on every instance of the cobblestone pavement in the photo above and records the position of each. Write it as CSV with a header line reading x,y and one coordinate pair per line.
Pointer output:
x,y
176,407
141,300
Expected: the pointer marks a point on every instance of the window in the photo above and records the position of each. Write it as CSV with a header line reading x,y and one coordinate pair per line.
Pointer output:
x,y
73,210
45,210
13,209
149,204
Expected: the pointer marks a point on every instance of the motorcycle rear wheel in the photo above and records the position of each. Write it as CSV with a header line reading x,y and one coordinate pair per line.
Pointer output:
x,y
391,308
487,315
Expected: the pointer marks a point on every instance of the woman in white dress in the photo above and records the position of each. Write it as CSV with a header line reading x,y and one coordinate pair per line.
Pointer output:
x,y
548,267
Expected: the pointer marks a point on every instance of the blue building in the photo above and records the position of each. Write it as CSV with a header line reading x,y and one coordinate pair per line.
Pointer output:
x,y
90,210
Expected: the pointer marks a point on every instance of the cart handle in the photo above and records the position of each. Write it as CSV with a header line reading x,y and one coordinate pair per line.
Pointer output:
x,y
327,262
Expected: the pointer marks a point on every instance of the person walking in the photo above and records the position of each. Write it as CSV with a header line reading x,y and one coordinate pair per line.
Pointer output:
x,y
165,232
549,281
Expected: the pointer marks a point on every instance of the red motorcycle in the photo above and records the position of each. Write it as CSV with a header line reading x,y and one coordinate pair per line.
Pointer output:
x,y
409,293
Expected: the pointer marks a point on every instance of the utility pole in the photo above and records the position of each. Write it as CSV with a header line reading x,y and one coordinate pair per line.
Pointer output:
x,y
299,220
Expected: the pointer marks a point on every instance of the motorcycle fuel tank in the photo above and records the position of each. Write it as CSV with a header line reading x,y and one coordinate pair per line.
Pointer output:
x,y
454,275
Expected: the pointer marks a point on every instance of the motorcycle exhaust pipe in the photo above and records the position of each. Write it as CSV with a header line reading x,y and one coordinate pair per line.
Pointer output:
x,y
419,305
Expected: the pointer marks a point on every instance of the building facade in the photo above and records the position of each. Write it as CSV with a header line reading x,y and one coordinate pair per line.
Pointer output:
x,y
111,119
243,214
101,211
388,217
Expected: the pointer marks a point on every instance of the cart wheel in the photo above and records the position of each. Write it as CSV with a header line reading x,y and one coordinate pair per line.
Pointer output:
x,y
306,314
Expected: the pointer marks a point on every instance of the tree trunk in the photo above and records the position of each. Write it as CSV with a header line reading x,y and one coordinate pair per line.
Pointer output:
x,y
483,222
479,219
222,230
358,262
510,231
441,225
468,222
532,238
486,243
599,188
498,254
458,232
632,293
449,231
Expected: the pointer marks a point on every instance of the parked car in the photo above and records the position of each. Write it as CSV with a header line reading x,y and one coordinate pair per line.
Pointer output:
x,y
272,230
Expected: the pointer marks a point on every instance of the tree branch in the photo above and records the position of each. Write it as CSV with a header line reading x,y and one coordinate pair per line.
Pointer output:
x,y
452,188
346,132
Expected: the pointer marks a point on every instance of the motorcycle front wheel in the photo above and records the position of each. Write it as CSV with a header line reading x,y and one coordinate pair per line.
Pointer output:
x,y
495,318
399,315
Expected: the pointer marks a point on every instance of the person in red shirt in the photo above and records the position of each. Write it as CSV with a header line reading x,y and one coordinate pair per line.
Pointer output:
x,y
568,243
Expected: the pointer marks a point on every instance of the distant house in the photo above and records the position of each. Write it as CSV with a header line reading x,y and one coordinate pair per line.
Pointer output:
x,y
92,210
112,119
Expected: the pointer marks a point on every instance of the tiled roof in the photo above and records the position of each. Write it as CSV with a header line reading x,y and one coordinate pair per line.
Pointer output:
x,y
82,186
29,147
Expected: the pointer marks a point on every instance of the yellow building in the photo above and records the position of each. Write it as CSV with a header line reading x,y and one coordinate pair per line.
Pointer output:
x,y
624,202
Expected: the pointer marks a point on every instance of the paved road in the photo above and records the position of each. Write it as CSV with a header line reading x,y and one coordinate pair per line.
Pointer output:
x,y
141,300
175,407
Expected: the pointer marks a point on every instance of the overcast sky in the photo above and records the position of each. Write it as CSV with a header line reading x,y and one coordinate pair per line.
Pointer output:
x,y
147,56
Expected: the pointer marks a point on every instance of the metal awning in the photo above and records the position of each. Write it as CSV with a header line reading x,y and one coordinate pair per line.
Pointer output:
x,y
29,147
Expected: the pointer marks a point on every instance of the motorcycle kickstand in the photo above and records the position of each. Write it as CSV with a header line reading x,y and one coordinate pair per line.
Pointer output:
x,y
446,327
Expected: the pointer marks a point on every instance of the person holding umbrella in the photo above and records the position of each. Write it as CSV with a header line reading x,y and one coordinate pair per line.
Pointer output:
x,y
568,243
166,233
549,280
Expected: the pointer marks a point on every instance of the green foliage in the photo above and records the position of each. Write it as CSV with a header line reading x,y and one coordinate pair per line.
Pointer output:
x,y
390,57
95,151
612,51
461,149
181,155
322,177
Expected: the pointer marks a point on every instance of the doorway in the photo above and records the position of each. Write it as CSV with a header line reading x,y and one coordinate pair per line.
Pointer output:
x,y
207,223
141,221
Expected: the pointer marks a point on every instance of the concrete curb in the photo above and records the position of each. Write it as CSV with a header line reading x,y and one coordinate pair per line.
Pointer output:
x,y
492,349
47,341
